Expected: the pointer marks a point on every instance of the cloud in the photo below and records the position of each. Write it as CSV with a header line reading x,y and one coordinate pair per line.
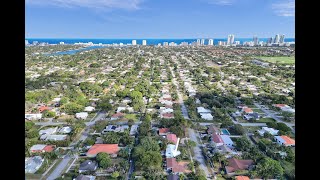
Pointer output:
x,y
94,4
221,2
284,8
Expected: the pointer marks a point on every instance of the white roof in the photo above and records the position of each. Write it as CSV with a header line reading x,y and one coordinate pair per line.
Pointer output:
x,y
48,131
206,116
279,138
203,110
134,129
226,139
89,108
66,129
170,151
37,147
56,137
270,130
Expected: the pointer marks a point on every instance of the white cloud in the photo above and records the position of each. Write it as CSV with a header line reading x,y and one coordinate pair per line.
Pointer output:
x,y
221,2
284,8
95,4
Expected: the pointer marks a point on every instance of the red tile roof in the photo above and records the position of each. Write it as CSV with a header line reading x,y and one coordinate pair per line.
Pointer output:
x,y
288,140
43,108
279,105
49,148
172,138
242,178
119,114
248,110
168,99
217,138
181,166
213,129
163,130
167,115
107,148
237,164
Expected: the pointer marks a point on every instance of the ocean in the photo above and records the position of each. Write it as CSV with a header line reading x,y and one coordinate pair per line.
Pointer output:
x,y
139,41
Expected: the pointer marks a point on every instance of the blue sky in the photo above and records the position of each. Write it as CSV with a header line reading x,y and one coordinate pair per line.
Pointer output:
x,y
159,18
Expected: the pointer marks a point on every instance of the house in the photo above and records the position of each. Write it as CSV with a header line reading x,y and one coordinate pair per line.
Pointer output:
x,y
172,150
251,116
285,140
203,110
206,116
116,116
134,130
89,109
65,130
56,100
43,108
172,177
111,149
48,131
41,148
166,110
242,178
177,167
32,164
82,115
227,140
85,177
217,139
114,128
237,164
213,130
88,165
247,110
167,115
51,137
285,108
269,130
164,131
126,100
33,116
172,138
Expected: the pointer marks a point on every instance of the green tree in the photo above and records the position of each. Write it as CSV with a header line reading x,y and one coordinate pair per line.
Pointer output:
x,y
283,127
115,174
269,168
239,129
28,125
242,143
103,159
72,108
48,114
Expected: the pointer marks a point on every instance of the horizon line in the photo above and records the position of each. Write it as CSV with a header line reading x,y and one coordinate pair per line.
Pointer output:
x,y
146,38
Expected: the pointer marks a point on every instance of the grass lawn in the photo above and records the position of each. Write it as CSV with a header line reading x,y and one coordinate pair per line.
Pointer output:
x,y
280,59
265,120
131,116
252,129
32,176
257,110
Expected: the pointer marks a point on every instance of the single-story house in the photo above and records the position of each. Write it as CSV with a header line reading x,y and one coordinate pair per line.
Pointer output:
x,y
52,137
285,108
65,130
89,109
177,167
88,165
172,138
41,148
213,130
237,164
43,108
111,149
166,110
251,116
115,128
203,110
82,115
206,116
269,130
126,100
247,110
167,115
116,116
242,178
32,164
285,140
164,131
217,139
85,177
48,131
33,116
227,141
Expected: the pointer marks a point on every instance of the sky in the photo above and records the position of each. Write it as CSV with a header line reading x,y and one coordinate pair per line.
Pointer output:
x,y
159,18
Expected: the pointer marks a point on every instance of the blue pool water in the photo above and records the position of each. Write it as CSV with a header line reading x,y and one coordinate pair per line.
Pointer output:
x,y
71,52
225,132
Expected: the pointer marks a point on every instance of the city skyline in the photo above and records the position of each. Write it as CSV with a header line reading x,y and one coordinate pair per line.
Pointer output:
x,y
135,19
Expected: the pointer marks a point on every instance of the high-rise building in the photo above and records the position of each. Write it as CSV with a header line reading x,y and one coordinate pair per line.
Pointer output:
x,y
134,42
276,39
210,42
255,40
144,42
198,41
202,42
26,42
61,43
220,43
165,43
270,40
230,39
34,42
237,42
281,39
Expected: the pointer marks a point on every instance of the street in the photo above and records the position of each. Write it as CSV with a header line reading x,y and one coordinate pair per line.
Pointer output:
x,y
84,134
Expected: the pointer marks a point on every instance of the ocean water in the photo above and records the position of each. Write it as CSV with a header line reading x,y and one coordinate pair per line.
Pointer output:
x,y
139,41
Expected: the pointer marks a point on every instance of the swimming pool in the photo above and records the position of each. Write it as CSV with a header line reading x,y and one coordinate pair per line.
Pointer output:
x,y
225,132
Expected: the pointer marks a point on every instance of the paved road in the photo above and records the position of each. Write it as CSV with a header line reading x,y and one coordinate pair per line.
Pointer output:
x,y
49,123
59,169
253,124
56,173
198,152
274,116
